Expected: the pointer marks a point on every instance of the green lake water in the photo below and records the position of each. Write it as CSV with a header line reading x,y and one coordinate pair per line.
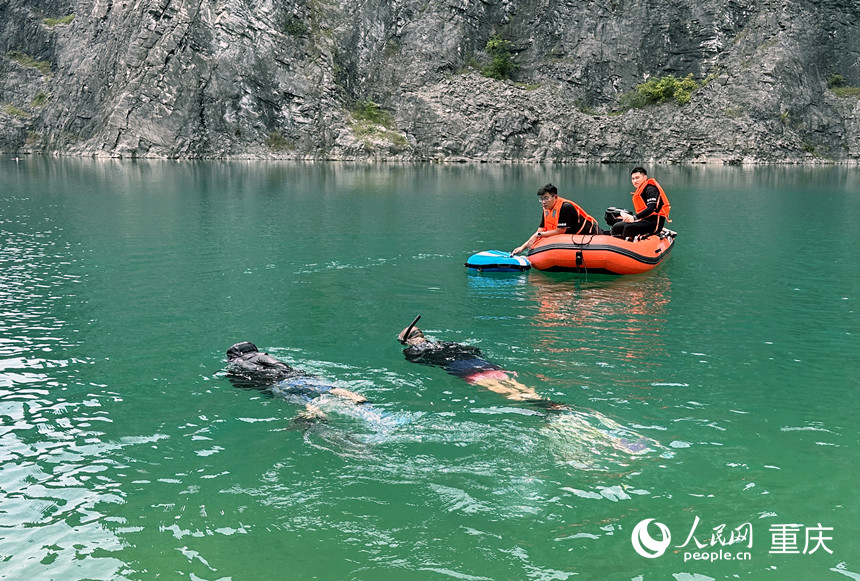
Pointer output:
x,y
126,454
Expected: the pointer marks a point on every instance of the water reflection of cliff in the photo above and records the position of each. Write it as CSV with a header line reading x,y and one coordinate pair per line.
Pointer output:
x,y
620,318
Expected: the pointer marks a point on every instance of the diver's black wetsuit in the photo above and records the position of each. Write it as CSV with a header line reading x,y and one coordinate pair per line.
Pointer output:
x,y
249,368
463,361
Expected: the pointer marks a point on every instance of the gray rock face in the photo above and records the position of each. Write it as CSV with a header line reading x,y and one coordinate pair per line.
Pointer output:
x,y
277,79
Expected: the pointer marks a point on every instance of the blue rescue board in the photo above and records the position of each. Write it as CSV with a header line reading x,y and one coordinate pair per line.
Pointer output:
x,y
497,261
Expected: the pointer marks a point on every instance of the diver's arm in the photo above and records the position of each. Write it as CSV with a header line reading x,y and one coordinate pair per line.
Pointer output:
x,y
356,398
311,413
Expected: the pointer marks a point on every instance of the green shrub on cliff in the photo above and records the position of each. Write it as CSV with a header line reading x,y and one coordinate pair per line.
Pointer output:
x,y
836,83
295,26
26,60
14,111
52,22
370,123
277,142
40,100
835,80
501,65
846,91
369,112
668,88
660,90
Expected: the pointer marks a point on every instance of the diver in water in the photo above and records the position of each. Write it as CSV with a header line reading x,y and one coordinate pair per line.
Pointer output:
x,y
249,368
586,430
467,363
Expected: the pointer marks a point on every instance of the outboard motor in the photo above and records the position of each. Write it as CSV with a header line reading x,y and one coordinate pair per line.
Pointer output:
x,y
613,215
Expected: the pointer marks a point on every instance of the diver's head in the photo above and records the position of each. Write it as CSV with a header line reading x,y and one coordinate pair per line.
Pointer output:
x,y
410,335
240,349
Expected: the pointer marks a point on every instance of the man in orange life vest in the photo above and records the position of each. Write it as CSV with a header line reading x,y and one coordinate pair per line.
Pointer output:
x,y
651,206
560,216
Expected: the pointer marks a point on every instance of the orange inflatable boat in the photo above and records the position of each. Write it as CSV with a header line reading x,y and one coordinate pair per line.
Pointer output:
x,y
600,254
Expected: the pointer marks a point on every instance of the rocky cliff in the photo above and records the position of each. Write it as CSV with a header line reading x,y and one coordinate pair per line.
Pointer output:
x,y
406,79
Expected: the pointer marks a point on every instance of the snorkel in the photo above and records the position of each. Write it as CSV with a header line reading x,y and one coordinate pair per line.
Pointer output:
x,y
408,330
